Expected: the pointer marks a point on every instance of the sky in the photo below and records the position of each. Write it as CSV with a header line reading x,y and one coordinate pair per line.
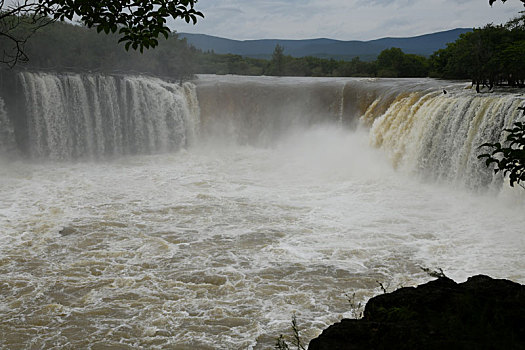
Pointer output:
x,y
343,19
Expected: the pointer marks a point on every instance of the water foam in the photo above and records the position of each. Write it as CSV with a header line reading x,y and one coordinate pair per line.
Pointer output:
x,y
216,247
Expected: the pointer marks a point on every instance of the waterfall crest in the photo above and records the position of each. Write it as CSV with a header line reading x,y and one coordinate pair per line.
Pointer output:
x,y
71,116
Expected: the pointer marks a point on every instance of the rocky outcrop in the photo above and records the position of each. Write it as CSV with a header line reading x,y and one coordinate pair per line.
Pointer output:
x,y
481,313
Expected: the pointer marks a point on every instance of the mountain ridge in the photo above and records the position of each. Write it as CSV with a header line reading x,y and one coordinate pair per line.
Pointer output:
x,y
424,45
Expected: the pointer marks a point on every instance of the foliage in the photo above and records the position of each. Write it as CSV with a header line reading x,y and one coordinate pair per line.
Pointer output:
x,y
510,157
286,65
63,46
211,63
66,47
296,341
394,62
509,59
488,55
276,66
11,20
383,288
356,309
494,54
493,1
139,23
281,344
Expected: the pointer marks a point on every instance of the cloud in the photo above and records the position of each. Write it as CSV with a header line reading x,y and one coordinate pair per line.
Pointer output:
x,y
384,3
342,19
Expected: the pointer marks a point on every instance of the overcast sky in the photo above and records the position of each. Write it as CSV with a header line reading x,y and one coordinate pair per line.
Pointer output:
x,y
343,19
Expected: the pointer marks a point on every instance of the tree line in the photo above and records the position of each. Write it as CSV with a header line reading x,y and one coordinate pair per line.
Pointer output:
x,y
494,54
390,63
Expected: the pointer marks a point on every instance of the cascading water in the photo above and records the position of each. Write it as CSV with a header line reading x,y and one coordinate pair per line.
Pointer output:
x,y
272,204
439,135
421,129
7,133
72,116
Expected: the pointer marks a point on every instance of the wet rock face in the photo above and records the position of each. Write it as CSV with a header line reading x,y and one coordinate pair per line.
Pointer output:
x,y
481,313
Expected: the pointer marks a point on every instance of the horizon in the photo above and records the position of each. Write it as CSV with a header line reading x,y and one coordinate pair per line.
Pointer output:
x,y
327,38
342,20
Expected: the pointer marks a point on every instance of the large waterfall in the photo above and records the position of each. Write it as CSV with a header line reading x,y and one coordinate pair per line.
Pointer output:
x,y
70,116
136,213
421,129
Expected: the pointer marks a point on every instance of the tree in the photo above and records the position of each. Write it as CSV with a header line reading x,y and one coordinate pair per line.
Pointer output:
x,y
277,62
509,158
393,62
12,18
139,23
389,62
490,55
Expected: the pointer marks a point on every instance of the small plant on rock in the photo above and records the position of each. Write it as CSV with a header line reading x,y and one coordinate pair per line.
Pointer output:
x,y
296,338
356,309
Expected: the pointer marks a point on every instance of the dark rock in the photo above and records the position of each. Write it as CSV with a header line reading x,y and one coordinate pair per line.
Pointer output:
x,y
481,313
66,231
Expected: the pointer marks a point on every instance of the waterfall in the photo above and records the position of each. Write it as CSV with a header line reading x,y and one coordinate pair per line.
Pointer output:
x,y
90,116
7,132
342,105
421,129
258,111
439,135
72,116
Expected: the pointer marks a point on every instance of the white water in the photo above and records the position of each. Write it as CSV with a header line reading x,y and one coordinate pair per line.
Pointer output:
x,y
73,116
439,135
7,140
216,246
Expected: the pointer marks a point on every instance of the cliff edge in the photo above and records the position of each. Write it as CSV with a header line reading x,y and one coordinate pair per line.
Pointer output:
x,y
481,313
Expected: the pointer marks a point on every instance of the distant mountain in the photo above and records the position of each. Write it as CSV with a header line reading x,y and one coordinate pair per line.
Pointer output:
x,y
325,48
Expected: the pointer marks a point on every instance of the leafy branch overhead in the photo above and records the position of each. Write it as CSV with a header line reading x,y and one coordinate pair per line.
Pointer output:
x,y
139,22
493,1
510,157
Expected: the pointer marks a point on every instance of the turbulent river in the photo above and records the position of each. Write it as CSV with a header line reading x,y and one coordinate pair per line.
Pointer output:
x,y
137,213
